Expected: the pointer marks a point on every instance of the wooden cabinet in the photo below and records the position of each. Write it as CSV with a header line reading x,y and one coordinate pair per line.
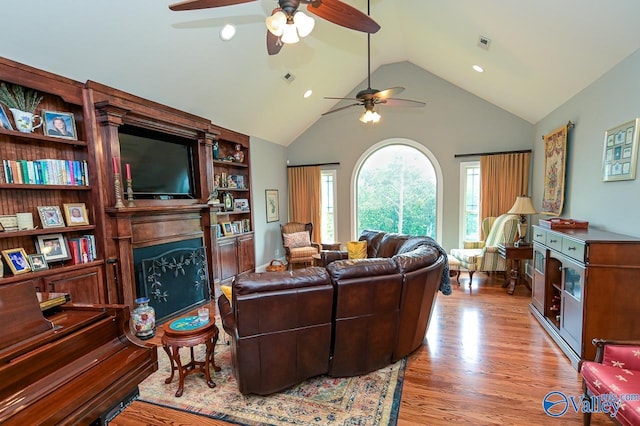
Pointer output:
x,y
585,286
39,170
82,285
236,255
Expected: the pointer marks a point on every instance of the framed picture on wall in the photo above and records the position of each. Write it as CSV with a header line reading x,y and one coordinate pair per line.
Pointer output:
x,y
620,153
273,208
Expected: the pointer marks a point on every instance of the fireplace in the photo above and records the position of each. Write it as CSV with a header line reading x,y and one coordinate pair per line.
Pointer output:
x,y
173,276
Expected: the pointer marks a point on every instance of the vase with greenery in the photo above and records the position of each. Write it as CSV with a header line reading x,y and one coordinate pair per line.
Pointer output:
x,y
16,97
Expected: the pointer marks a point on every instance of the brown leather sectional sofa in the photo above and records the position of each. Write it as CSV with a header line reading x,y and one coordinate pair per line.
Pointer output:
x,y
350,318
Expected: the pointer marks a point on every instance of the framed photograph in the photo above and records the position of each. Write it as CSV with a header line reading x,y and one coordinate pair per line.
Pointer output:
x,y
54,247
76,214
59,125
38,262
4,120
17,260
237,227
242,204
9,222
227,228
620,153
272,203
50,216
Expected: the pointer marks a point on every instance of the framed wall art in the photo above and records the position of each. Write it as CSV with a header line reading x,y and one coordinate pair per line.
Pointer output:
x,y
59,125
620,152
273,213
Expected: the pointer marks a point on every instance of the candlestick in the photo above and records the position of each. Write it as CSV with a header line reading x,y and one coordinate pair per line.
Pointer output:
x,y
116,169
118,189
128,167
130,202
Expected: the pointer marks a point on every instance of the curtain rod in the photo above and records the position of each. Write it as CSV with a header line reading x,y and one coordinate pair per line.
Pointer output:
x,y
570,125
491,153
311,165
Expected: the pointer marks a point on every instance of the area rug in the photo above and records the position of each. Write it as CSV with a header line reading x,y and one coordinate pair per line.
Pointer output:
x,y
372,399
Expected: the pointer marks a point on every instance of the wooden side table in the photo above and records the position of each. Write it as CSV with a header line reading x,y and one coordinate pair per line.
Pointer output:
x,y
173,340
330,246
514,254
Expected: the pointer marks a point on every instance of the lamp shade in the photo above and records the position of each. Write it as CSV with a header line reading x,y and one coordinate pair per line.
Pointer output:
x,y
276,23
523,205
303,23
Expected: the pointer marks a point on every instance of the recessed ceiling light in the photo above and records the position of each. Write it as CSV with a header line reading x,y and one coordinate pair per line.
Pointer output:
x,y
478,68
227,32
308,93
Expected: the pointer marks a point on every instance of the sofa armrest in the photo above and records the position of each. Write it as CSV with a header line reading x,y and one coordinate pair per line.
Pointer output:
x,y
226,315
356,268
472,244
328,256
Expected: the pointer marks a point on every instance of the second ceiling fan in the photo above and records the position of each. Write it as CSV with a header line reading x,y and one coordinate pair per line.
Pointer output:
x,y
369,97
286,23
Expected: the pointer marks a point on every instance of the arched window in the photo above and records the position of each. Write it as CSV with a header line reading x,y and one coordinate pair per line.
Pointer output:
x,y
398,187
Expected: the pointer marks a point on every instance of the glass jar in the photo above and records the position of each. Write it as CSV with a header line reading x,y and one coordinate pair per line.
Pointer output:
x,y
144,319
238,155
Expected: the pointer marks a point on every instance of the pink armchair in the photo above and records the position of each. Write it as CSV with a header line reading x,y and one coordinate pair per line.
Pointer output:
x,y
615,372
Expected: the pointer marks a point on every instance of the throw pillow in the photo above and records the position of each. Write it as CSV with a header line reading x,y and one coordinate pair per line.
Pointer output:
x,y
357,249
226,290
297,239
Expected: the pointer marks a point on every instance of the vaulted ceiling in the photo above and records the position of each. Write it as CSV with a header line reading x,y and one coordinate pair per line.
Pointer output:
x,y
541,53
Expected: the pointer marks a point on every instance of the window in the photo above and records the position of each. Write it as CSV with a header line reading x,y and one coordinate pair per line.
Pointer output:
x,y
396,191
328,202
470,202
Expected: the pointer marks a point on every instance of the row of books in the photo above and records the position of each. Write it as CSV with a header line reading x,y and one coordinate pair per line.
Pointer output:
x,y
46,172
82,249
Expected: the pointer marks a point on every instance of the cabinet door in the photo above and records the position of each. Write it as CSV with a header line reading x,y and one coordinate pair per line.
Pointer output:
x,y
227,258
84,286
537,288
572,312
246,254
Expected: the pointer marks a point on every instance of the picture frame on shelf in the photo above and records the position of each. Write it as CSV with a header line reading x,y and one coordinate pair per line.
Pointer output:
x,y
237,227
9,222
50,217
76,214
227,229
17,260
272,205
54,247
234,228
38,262
4,120
620,152
218,230
59,125
242,204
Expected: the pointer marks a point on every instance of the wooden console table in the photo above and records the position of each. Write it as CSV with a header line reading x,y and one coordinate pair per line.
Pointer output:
x,y
515,254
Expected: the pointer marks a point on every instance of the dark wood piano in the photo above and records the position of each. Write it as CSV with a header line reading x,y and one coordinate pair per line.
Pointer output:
x,y
70,366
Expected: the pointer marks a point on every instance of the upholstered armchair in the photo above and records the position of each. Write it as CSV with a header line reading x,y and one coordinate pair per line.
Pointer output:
x,y
296,239
483,255
614,374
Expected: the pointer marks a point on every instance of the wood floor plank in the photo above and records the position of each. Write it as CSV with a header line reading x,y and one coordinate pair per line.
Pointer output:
x,y
485,361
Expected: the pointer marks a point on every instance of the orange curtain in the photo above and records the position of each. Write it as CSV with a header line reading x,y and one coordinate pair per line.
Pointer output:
x,y
304,197
503,177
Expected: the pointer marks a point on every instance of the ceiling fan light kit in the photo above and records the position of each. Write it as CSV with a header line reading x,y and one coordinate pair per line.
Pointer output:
x,y
370,116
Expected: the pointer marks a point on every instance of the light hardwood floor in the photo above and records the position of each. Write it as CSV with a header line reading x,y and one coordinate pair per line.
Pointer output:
x,y
486,361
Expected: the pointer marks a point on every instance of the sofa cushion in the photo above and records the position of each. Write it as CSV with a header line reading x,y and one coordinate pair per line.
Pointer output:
x,y
391,243
297,239
420,257
373,239
345,269
268,281
413,243
357,249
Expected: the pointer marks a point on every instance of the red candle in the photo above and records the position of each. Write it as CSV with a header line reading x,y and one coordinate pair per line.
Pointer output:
x,y
115,165
128,171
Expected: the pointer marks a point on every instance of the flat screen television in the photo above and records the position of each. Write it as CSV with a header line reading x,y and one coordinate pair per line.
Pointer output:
x,y
161,164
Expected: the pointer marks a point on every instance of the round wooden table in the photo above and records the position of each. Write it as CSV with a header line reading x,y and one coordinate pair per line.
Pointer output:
x,y
190,336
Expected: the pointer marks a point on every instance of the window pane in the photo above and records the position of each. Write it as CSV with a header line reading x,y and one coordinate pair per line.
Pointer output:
x,y
397,192
327,185
471,205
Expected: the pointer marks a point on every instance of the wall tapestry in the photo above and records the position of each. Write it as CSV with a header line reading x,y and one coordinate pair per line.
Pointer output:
x,y
555,149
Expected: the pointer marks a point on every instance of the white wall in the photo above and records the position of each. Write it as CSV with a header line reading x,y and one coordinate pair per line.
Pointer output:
x,y
453,122
608,102
268,171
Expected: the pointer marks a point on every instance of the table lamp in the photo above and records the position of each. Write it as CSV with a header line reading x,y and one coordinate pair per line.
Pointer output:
x,y
523,207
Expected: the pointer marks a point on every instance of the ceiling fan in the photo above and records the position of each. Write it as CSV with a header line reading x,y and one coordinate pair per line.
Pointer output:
x,y
369,97
286,23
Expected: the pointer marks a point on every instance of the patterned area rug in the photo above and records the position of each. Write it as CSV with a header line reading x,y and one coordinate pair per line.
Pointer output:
x,y
373,399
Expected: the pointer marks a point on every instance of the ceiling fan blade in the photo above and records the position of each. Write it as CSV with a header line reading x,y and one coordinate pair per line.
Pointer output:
x,y
341,108
402,102
387,93
343,99
274,44
204,4
344,15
